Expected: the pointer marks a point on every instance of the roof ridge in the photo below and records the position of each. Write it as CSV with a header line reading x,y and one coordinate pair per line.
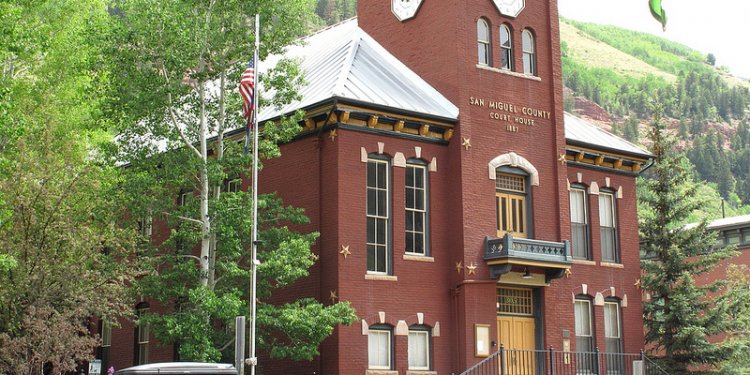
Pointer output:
x,y
324,29
347,67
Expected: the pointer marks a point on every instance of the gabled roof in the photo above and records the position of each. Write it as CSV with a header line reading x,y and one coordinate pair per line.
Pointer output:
x,y
344,62
582,133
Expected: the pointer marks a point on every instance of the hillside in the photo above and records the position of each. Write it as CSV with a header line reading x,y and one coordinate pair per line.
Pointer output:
x,y
595,53
612,75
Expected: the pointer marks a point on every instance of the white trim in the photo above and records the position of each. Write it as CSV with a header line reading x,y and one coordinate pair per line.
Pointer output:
x,y
594,188
514,160
399,160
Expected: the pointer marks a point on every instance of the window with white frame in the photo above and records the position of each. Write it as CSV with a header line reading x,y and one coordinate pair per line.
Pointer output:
x,y
416,209
585,360
529,53
233,186
506,48
380,348
142,335
185,198
419,348
579,223
613,337
483,42
608,227
378,216
612,326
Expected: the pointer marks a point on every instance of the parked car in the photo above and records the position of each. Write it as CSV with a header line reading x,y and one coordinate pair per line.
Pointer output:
x,y
180,368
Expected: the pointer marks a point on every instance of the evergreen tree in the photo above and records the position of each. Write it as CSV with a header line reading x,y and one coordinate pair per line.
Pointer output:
x,y
680,315
630,129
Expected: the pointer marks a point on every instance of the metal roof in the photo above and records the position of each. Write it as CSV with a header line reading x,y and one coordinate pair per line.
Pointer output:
x,y
728,222
582,132
343,61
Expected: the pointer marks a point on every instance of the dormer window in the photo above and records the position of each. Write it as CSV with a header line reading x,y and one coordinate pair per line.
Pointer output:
x,y
483,42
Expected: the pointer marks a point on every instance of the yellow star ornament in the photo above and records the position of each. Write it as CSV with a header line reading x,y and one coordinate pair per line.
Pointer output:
x,y
345,251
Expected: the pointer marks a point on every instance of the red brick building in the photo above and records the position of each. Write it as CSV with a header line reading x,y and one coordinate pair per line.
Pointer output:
x,y
460,209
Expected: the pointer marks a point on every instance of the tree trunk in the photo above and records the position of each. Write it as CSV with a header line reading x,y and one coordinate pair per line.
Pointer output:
x,y
205,218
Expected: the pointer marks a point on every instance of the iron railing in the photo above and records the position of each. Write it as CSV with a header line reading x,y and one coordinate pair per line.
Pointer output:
x,y
556,362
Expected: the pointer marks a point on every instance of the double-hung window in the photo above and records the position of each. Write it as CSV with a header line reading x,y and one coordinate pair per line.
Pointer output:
x,y
579,223
416,209
142,335
378,216
510,199
483,42
380,348
506,48
585,358
608,227
529,53
613,336
419,348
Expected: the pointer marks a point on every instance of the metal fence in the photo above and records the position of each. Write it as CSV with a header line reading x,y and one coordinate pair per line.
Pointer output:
x,y
555,362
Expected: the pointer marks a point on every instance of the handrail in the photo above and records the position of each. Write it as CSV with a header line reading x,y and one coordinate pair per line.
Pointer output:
x,y
551,362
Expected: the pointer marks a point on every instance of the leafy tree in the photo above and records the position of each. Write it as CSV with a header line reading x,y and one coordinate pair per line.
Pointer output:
x,y
63,259
181,62
70,261
681,314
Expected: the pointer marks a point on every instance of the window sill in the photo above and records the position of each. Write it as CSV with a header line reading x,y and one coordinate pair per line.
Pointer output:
x,y
509,72
584,262
381,372
420,372
381,278
419,258
611,265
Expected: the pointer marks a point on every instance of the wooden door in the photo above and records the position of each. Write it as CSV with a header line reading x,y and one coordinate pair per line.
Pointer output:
x,y
516,334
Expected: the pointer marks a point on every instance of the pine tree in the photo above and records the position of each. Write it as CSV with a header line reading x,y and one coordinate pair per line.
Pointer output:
x,y
680,314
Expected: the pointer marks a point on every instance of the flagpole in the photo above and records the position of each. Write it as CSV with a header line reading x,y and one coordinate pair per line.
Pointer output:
x,y
254,266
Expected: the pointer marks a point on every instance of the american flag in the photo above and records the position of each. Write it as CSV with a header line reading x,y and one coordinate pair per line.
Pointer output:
x,y
247,90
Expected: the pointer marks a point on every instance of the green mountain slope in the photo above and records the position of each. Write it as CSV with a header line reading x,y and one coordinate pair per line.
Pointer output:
x,y
623,71
592,52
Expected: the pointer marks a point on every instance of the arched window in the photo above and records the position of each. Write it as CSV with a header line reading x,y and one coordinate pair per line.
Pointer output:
x,y
529,53
506,48
483,42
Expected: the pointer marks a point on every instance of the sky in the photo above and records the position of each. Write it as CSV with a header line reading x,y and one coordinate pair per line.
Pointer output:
x,y
721,27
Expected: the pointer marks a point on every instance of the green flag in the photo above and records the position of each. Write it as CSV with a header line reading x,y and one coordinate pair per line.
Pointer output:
x,y
658,12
